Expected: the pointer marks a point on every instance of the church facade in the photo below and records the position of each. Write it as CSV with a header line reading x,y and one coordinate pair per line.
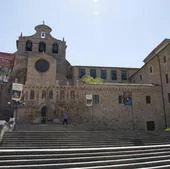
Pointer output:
x,y
129,98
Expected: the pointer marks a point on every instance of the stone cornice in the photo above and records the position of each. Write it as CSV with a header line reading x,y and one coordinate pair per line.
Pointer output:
x,y
100,87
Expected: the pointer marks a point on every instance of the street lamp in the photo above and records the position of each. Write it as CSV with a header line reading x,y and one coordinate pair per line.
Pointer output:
x,y
15,105
89,103
128,102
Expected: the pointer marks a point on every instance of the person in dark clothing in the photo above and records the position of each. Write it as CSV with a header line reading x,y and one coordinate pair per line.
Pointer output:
x,y
43,114
65,118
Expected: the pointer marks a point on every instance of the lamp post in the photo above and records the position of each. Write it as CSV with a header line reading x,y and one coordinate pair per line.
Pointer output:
x,y
17,90
128,102
14,106
89,103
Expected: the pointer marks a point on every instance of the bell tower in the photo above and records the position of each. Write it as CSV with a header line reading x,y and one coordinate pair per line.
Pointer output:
x,y
41,68
43,57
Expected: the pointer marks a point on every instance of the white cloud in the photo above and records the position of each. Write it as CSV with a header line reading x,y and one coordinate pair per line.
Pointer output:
x,y
95,1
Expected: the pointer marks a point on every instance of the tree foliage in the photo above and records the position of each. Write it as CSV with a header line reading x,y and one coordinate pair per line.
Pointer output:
x,y
91,80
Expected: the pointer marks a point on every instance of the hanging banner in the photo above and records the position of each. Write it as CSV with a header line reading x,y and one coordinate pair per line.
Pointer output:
x,y
17,91
6,66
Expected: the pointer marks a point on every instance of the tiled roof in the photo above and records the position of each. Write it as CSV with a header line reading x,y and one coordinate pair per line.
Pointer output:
x,y
6,54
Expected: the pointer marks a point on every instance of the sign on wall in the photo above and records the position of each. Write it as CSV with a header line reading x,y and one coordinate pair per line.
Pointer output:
x,y
127,98
17,91
6,66
89,100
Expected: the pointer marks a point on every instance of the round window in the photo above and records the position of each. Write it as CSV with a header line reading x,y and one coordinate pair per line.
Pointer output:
x,y
42,65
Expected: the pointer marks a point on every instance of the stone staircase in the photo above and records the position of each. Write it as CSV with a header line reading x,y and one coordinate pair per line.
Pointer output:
x,y
63,139
87,158
57,146
58,136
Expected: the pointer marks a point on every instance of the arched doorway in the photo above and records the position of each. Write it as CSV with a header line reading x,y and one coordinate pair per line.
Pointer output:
x,y
44,114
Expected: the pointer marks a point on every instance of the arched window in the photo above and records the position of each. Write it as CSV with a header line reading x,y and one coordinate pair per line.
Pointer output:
x,y
32,94
55,48
28,45
51,94
57,95
62,95
72,95
43,94
37,95
26,95
42,47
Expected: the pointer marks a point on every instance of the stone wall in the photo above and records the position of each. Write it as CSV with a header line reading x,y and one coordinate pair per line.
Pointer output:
x,y
109,113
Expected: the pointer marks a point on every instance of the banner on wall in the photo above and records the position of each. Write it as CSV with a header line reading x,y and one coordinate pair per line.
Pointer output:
x,y
6,66
17,89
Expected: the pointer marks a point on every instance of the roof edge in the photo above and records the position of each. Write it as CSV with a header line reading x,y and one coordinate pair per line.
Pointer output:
x,y
157,49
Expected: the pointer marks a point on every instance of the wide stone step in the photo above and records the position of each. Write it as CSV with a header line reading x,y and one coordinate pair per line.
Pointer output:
x,y
64,139
86,160
108,157
82,151
50,127
83,157
68,139
62,146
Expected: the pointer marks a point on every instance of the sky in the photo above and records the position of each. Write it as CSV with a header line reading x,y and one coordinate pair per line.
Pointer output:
x,y
114,33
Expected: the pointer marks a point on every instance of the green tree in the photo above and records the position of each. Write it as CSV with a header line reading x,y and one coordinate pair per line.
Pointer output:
x,y
98,80
90,80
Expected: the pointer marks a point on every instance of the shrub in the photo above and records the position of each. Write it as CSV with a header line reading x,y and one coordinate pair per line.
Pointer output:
x,y
90,80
